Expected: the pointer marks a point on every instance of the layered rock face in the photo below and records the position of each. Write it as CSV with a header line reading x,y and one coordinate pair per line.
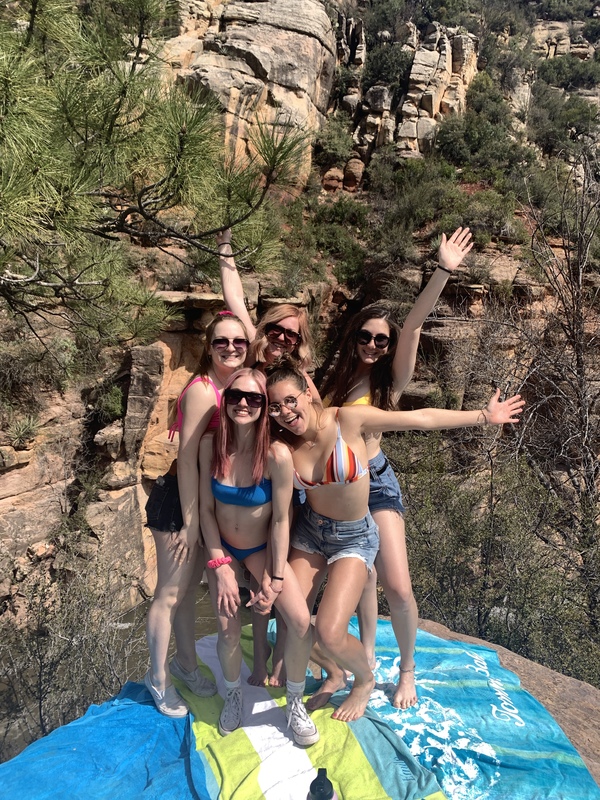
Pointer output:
x,y
261,59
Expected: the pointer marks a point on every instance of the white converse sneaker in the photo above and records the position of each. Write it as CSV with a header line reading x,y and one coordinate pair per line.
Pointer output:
x,y
231,715
168,702
195,681
303,728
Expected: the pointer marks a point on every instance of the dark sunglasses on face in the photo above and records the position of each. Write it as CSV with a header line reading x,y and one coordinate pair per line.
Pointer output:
x,y
254,399
222,343
381,340
274,331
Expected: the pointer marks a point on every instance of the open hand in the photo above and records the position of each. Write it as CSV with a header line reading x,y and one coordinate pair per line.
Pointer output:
x,y
499,412
453,250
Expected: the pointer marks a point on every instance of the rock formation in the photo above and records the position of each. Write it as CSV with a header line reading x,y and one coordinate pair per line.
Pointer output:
x,y
262,60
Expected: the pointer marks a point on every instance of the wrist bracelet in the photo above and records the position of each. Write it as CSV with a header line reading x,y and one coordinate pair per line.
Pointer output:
x,y
218,562
449,271
276,578
482,412
277,591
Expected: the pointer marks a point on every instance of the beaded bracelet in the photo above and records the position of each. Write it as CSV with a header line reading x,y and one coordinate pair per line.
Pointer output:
x,y
218,562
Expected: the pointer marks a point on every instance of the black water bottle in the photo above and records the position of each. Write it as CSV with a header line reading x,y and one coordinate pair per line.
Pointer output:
x,y
322,788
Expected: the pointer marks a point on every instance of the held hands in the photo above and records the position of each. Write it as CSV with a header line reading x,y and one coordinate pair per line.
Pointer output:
x,y
499,412
453,250
270,589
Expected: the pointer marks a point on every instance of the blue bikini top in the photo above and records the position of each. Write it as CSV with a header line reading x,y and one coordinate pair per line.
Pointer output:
x,y
255,495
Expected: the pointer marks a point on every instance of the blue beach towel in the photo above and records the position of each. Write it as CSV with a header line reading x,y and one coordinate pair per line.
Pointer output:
x,y
475,735
475,728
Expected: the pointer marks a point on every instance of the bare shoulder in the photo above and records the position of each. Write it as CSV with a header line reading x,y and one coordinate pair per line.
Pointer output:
x,y
279,455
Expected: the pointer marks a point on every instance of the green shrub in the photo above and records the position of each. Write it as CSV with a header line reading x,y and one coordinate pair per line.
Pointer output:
x,y
334,143
387,64
591,30
569,72
23,430
110,404
556,122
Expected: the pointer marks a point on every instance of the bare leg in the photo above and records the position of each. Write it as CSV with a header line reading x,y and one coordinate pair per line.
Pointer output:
x,y
260,645
346,581
392,566
278,673
293,609
173,584
367,612
229,635
345,584
184,622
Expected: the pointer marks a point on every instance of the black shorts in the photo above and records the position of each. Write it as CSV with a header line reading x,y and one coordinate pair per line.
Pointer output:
x,y
163,509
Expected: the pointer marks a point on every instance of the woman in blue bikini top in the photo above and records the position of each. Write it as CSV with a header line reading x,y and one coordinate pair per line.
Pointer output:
x,y
245,507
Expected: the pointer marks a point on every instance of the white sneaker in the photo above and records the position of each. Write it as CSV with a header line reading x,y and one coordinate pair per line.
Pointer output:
x,y
168,702
303,728
195,681
231,715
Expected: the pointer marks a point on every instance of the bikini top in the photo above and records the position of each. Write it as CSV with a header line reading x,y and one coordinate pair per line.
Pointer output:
x,y
365,400
342,466
255,495
213,423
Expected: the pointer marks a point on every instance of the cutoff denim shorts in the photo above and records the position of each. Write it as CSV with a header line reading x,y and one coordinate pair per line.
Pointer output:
x,y
334,539
163,509
384,491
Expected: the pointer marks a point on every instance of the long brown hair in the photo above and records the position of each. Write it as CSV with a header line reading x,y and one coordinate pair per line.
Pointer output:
x,y
286,369
303,352
381,380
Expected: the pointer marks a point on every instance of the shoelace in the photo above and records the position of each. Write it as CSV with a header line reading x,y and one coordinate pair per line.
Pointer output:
x,y
298,710
234,698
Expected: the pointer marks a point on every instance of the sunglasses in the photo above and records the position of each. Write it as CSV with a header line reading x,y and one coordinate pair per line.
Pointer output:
x,y
274,409
234,396
380,339
222,343
274,331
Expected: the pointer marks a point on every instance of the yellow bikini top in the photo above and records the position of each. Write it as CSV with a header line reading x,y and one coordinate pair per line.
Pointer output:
x,y
365,400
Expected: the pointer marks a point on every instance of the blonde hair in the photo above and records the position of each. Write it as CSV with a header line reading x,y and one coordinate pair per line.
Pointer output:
x,y
303,352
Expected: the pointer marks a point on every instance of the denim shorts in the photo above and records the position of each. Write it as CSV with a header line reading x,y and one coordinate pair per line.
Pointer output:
x,y
334,539
163,509
384,491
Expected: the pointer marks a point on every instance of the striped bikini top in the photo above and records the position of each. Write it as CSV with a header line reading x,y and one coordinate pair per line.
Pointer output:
x,y
342,466
213,423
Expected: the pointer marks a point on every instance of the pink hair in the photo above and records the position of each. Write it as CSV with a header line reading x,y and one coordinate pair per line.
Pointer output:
x,y
223,442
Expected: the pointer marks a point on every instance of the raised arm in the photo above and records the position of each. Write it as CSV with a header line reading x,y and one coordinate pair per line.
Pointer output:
x,y
228,593
496,412
233,291
451,253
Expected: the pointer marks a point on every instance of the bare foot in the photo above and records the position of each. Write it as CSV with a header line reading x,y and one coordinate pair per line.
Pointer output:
x,y
278,676
405,695
354,705
322,696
